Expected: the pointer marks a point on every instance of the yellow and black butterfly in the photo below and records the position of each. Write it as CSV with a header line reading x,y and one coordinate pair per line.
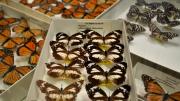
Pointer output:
x,y
155,92
97,76
53,93
8,41
9,71
60,71
95,93
29,49
24,29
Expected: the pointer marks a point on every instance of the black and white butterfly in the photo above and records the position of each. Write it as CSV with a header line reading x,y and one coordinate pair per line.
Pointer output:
x,y
135,14
116,75
95,93
158,34
73,40
53,93
132,28
113,54
60,52
71,71
151,6
108,39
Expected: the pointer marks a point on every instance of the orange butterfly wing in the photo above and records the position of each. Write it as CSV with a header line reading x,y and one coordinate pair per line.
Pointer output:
x,y
21,27
28,48
11,77
154,97
5,34
3,68
23,69
174,96
13,42
33,60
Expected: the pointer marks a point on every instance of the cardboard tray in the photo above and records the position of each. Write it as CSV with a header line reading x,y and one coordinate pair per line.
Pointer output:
x,y
39,15
19,90
72,26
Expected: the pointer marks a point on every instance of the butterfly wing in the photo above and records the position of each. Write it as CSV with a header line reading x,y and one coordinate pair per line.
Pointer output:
x,y
121,93
32,33
28,48
133,12
4,35
21,27
73,88
95,93
12,43
75,53
62,38
117,73
114,53
174,96
154,91
134,28
77,38
33,59
23,70
113,37
96,54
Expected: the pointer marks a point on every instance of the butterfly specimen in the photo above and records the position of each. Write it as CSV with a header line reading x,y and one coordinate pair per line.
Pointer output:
x,y
135,14
73,40
155,92
151,6
132,28
9,71
97,76
60,52
106,40
95,93
24,29
4,22
53,93
159,35
60,71
8,41
29,49
113,54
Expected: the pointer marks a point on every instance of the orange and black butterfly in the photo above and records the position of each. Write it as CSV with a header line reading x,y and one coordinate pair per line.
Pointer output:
x,y
29,49
25,30
8,41
9,71
6,21
155,92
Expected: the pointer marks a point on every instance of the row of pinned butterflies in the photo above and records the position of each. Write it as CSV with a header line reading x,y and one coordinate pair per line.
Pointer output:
x,y
18,39
144,12
99,49
87,9
155,92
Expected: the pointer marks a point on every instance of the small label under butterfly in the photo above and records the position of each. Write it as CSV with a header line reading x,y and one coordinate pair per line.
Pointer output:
x,y
99,26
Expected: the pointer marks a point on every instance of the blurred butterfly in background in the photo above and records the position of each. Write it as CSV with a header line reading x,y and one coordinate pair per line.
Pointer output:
x,y
155,92
135,14
8,41
53,93
113,54
60,71
4,22
159,35
45,9
132,28
73,40
9,71
95,93
23,29
97,76
150,6
60,52
75,3
108,39
29,49
79,12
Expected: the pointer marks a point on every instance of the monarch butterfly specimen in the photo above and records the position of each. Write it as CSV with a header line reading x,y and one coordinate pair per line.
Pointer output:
x,y
8,41
53,93
29,48
23,29
9,71
155,92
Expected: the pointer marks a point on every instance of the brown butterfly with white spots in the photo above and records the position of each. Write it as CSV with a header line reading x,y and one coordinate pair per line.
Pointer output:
x,y
95,93
71,71
60,52
53,93
116,75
